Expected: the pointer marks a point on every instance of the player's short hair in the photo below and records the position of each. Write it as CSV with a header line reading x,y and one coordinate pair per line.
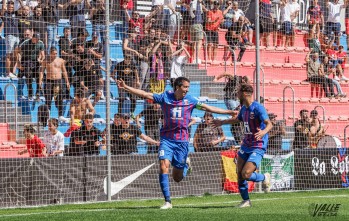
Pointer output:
x,y
246,88
53,121
179,82
303,111
29,128
88,116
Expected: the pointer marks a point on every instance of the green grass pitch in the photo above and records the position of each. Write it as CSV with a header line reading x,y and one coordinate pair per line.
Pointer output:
x,y
273,206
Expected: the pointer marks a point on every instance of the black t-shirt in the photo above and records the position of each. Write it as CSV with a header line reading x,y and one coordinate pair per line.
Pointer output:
x,y
39,25
24,24
237,28
127,72
125,139
49,11
98,16
97,48
78,60
232,86
151,117
64,45
301,140
91,136
90,77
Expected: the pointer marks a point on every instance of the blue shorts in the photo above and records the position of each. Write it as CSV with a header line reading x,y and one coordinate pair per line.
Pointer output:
x,y
333,27
253,155
287,28
175,152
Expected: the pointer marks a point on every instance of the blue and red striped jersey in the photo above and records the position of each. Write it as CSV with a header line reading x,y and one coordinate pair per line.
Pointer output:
x,y
177,114
253,118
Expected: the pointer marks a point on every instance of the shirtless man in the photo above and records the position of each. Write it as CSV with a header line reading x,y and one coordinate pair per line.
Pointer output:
x,y
55,70
78,108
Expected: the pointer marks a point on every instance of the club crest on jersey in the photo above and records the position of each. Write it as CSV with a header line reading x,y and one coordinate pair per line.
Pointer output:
x,y
186,102
252,115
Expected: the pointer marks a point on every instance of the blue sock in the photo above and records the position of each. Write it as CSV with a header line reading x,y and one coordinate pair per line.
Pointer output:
x,y
256,177
185,170
243,187
165,186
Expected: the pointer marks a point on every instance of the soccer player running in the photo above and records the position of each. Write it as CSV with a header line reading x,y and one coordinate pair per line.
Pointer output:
x,y
254,145
177,107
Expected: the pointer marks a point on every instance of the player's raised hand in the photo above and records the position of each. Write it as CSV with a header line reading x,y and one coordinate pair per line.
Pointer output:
x,y
259,134
216,123
121,83
234,113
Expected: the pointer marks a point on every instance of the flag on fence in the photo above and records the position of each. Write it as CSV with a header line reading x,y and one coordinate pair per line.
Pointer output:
x,y
229,167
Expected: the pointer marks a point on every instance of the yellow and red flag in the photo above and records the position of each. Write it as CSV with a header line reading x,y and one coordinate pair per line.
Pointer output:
x,y
231,178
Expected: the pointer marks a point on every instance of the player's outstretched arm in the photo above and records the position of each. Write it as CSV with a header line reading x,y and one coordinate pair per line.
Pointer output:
x,y
217,110
137,92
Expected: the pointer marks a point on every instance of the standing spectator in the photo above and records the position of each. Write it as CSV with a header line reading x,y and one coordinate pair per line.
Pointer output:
x,y
28,34
275,134
11,32
128,72
214,19
55,74
266,21
313,66
302,128
75,10
25,21
126,5
315,19
170,17
237,12
326,70
228,14
50,15
333,24
137,23
35,147
196,30
178,61
275,16
234,37
289,13
95,49
152,117
156,71
317,130
97,16
32,53
125,137
39,24
87,138
79,56
207,137
90,80
145,49
130,45
66,54
295,8
54,139
78,108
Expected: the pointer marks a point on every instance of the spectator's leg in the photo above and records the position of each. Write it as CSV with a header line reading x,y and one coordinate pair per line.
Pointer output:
x,y
172,26
242,51
48,93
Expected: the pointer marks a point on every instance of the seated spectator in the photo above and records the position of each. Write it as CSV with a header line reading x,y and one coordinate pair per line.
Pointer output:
x,y
86,140
313,67
302,128
152,123
275,134
316,129
207,138
326,70
128,72
35,147
54,139
342,60
214,19
124,137
234,37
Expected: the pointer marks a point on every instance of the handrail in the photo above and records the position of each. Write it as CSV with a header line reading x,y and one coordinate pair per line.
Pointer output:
x,y
323,112
284,104
263,78
16,117
345,136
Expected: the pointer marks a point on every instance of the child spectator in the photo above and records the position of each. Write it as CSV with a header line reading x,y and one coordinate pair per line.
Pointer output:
x,y
54,139
35,147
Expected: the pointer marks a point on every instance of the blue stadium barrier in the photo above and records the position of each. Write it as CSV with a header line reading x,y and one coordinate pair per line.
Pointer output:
x,y
286,144
116,49
62,23
119,30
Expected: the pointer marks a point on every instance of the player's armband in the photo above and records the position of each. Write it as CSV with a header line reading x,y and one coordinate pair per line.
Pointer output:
x,y
199,105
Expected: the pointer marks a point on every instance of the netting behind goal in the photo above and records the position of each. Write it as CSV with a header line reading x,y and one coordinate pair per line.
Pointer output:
x,y
59,93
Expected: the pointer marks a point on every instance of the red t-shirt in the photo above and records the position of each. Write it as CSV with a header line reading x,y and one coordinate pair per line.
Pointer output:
x,y
332,54
342,56
139,24
129,4
217,17
35,147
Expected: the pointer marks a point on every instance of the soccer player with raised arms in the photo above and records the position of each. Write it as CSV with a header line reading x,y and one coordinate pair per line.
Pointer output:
x,y
177,107
254,145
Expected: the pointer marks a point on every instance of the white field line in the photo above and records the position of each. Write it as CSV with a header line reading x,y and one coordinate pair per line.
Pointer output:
x,y
179,205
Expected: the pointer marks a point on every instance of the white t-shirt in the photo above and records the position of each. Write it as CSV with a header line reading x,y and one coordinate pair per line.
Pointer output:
x,y
288,10
158,2
237,14
334,12
54,142
177,68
